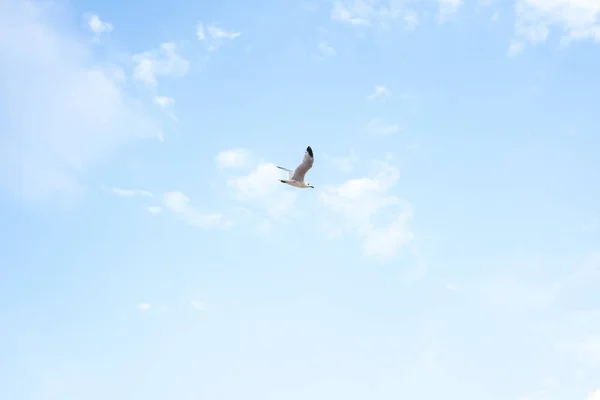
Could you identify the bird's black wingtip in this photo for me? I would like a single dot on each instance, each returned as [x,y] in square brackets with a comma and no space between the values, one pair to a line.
[309,151]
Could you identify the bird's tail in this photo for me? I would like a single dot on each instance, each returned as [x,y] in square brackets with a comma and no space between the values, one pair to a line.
[288,171]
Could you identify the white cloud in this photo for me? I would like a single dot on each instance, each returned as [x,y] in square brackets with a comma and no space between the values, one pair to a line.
[97,25]
[180,204]
[592,226]
[129,192]
[594,395]
[380,92]
[200,32]
[417,270]
[344,164]
[378,126]
[364,202]
[167,104]
[165,61]
[511,292]
[354,15]
[363,13]
[326,50]
[576,19]
[512,289]
[495,17]
[164,101]
[588,350]
[198,305]
[447,8]
[587,273]
[515,48]
[60,112]
[548,386]
[234,158]
[310,6]
[154,210]
[214,36]
[220,33]
[265,226]
[411,19]
[262,187]
[144,306]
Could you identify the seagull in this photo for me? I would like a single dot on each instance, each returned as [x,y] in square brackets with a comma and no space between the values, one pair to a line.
[296,178]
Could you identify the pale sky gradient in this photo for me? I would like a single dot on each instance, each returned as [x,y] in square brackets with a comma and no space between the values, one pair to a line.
[450,249]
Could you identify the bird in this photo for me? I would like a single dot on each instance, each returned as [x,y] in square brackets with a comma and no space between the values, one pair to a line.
[296,178]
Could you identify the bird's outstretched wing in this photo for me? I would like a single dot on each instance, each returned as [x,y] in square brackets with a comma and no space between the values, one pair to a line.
[305,165]
[287,170]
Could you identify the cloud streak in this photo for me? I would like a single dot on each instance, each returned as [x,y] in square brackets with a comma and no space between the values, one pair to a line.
[179,204]
[262,188]
[214,36]
[61,112]
[576,20]
[164,62]
[362,202]
[98,26]
[233,158]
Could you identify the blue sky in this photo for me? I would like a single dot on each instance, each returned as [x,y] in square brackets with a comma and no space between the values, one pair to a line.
[449,250]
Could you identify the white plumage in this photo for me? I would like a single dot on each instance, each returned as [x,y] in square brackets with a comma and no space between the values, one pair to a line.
[296,178]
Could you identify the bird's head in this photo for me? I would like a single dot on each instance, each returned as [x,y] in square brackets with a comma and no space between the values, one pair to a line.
[309,185]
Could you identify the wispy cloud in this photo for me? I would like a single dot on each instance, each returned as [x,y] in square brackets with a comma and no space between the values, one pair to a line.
[515,48]
[97,26]
[221,33]
[262,188]
[233,158]
[167,104]
[363,201]
[144,306]
[495,17]
[179,204]
[378,126]
[512,289]
[154,210]
[374,13]
[326,50]
[65,113]
[343,163]
[577,20]
[547,388]
[380,93]
[164,62]
[352,15]
[164,101]
[588,349]
[128,192]
[197,305]
[200,34]
[506,291]
[411,20]
[592,225]
[448,8]
[213,36]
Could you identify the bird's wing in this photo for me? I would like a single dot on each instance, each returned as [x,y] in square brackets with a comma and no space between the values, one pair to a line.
[305,165]
[289,171]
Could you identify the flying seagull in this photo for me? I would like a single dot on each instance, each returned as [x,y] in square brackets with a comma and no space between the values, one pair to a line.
[296,178]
